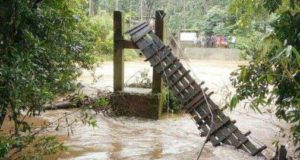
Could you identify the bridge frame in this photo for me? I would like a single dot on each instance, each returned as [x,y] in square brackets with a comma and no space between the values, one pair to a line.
[120,44]
[147,105]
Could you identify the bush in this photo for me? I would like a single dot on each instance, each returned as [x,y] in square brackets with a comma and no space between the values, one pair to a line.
[100,31]
[31,147]
[273,76]
[171,103]
[43,46]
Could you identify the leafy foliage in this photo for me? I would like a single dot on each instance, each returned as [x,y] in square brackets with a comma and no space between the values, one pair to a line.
[102,102]
[38,147]
[273,76]
[251,22]
[43,46]
[214,21]
[41,52]
[99,30]
[181,14]
[170,103]
[5,145]
[249,43]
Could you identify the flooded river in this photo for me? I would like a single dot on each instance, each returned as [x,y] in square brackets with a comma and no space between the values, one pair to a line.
[171,138]
[127,138]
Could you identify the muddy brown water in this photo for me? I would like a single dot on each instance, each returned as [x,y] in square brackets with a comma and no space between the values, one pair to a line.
[171,138]
[178,138]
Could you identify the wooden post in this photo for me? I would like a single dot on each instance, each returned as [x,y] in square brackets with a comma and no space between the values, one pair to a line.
[118,56]
[159,31]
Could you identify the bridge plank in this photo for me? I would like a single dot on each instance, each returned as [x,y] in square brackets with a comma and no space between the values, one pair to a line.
[237,134]
[176,74]
[185,88]
[137,28]
[205,129]
[174,70]
[139,35]
[179,78]
[231,138]
[237,137]
[199,98]
[184,81]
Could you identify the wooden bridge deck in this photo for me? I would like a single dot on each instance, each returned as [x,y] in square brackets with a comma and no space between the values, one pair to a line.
[210,119]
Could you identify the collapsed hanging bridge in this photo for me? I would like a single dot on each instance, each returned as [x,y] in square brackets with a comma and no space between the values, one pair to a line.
[211,121]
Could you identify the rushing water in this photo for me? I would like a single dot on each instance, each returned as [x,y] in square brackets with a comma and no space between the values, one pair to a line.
[134,138]
[172,138]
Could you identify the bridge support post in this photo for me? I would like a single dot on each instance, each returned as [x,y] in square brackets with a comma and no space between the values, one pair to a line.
[118,56]
[125,102]
[159,31]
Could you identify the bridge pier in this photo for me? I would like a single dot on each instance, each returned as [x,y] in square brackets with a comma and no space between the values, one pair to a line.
[134,103]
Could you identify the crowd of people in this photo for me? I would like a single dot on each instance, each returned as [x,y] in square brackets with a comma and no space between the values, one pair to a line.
[214,41]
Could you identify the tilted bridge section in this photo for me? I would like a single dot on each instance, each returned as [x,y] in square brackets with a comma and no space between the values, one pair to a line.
[211,121]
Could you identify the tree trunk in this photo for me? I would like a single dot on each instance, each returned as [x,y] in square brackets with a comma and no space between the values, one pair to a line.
[60,105]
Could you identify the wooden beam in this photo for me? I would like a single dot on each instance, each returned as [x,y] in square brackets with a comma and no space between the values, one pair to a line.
[128,44]
[159,31]
[118,56]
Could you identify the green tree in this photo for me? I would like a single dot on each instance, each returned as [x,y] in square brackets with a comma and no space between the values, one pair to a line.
[43,46]
[215,21]
[273,76]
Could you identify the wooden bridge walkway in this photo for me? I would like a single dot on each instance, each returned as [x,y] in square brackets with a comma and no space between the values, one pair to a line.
[211,120]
